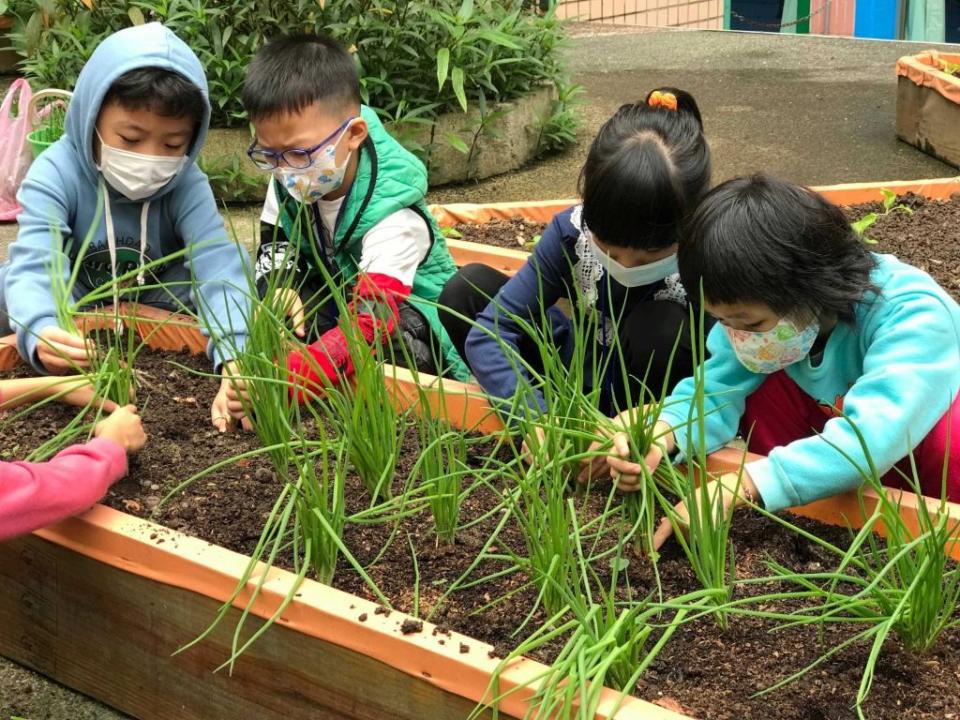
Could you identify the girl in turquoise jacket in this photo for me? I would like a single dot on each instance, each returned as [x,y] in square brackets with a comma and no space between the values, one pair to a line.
[816,336]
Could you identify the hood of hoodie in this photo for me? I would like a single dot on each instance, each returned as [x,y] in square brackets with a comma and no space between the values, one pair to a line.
[141,46]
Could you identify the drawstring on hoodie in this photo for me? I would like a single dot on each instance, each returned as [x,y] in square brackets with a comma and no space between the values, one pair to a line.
[112,241]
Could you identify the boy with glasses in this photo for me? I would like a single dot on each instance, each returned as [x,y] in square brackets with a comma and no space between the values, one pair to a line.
[346,195]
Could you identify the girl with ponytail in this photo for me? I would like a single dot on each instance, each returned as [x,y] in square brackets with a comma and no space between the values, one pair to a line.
[614,254]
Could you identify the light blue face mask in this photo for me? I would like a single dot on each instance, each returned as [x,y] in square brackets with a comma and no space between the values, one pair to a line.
[641,274]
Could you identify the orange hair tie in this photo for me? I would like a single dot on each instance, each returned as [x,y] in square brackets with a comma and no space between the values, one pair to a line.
[665,100]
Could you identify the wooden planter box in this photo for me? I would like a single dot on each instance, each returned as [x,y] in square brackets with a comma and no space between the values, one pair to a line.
[101,602]
[928,104]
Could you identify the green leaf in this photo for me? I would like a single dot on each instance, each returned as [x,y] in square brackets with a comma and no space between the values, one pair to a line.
[465,12]
[451,233]
[619,564]
[457,143]
[136,16]
[498,38]
[443,66]
[456,79]
[861,225]
[889,198]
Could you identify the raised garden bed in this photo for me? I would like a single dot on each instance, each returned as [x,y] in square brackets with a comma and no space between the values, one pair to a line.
[227,509]
[70,592]
[928,103]
[928,237]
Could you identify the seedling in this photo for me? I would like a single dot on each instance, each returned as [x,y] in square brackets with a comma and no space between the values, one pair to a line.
[890,205]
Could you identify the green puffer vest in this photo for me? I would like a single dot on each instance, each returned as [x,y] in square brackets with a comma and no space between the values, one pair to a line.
[388,179]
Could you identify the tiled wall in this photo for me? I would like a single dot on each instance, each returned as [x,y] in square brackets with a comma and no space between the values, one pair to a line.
[704,14]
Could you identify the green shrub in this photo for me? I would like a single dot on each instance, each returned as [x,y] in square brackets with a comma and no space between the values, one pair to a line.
[417,58]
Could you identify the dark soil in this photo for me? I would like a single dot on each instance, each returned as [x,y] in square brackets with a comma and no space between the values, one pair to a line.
[516,233]
[928,239]
[708,672]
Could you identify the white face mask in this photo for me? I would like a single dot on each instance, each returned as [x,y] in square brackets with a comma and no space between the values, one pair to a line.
[134,175]
[641,274]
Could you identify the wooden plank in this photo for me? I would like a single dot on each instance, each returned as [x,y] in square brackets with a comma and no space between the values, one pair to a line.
[111,634]
[928,121]
[503,259]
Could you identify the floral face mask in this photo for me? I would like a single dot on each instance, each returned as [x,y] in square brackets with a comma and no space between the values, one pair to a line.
[772,350]
[324,176]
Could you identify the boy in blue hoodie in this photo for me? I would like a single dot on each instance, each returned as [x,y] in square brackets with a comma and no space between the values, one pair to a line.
[125,171]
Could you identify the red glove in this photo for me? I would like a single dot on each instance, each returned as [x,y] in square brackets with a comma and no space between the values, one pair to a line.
[374,311]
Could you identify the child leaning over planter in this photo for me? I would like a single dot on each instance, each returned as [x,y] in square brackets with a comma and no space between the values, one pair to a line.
[344,193]
[811,322]
[645,171]
[33,495]
[125,172]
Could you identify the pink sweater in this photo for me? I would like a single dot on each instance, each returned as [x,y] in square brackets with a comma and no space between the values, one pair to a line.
[33,495]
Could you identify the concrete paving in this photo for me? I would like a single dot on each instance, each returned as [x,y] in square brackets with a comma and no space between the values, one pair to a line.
[814,110]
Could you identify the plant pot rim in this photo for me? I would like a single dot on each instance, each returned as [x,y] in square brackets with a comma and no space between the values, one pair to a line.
[926,69]
[542,211]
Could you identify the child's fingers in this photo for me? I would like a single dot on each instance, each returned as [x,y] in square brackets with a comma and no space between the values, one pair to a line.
[654,456]
[63,351]
[296,315]
[626,483]
[662,533]
[621,445]
[624,467]
[108,405]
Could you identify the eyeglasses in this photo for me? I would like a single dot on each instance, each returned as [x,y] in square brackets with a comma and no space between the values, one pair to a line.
[299,158]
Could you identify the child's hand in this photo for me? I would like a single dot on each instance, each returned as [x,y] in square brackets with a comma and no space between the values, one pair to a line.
[596,465]
[626,474]
[227,408]
[289,300]
[734,492]
[60,351]
[79,392]
[530,448]
[124,428]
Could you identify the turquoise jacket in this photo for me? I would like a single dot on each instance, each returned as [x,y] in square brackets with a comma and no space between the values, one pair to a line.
[896,368]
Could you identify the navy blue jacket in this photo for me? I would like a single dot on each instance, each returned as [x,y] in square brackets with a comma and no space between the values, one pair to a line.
[553,271]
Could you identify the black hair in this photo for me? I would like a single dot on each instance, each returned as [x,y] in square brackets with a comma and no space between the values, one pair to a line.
[645,172]
[760,239]
[158,90]
[292,72]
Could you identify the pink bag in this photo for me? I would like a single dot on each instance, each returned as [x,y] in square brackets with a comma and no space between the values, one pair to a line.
[15,154]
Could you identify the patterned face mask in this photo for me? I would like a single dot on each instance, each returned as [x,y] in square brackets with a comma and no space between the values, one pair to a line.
[324,176]
[772,350]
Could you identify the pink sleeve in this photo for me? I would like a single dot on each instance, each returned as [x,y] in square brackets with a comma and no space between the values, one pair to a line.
[33,495]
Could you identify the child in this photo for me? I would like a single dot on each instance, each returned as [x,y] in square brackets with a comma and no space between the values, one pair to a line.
[645,171]
[33,495]
[362,199]
[134,129]
[811,322]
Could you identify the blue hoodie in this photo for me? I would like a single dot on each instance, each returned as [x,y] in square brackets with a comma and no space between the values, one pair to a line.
[61,190]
